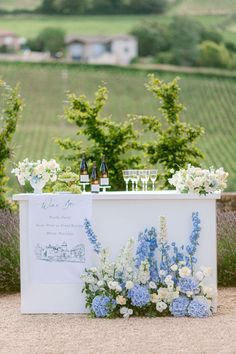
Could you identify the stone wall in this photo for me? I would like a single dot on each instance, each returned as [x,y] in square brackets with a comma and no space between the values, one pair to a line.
[227,202]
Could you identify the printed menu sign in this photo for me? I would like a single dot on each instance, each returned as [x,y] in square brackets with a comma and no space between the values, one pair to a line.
[59,248]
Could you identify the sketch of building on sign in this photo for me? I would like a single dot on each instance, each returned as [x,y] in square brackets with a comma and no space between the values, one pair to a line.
[60,253]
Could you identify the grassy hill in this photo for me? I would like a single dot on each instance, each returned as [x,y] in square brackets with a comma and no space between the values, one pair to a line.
[16,4]
[203,7]
[210,101]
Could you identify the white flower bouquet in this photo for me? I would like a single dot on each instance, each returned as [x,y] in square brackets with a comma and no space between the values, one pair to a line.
[199,181]
[38,173]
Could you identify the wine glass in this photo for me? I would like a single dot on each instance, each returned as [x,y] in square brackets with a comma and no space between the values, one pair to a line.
[142,174]
[153,177]
[126,176]
[136,179]
[132,176]
[146,179]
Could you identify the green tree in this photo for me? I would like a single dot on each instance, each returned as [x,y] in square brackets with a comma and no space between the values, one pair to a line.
[185,35]
[11,105]
[100,136]
[173,144]
[153,38]
[49,39]
[215,55]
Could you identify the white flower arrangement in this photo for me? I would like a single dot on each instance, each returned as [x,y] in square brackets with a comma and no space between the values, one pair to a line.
[36,171]
[199,181]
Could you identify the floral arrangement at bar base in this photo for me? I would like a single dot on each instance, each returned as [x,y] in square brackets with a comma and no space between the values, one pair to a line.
[156,279]
[199,181]
[38,173]
[67,182]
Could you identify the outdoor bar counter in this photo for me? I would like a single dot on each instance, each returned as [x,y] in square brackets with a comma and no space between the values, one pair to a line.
[115,217]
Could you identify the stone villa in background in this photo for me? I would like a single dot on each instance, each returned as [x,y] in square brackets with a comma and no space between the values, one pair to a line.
[120,49]
[11,40]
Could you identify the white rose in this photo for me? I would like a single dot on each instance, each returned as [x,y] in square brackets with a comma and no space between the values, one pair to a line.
[199,275]
[120,300]
[184,272]
[152,285]
[170,286]
[174,267]
[161,306]
[129,285]
[207,271]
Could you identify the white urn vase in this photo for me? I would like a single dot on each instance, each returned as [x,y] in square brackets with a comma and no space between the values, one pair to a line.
[37,185]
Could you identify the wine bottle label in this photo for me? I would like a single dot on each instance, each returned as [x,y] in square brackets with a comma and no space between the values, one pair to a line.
[95,188]
[104,181]
[84,178]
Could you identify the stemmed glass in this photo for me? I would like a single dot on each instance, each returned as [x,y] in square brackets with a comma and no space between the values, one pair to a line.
[126,176]
[143,177]
[153,177]
[134,176]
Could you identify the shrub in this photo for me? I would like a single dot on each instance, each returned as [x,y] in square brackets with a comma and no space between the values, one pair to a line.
[214,55]
[10,107]
[9,252]
[226,236]
[174,142]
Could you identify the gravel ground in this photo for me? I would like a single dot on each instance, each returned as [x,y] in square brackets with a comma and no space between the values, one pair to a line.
[78,334]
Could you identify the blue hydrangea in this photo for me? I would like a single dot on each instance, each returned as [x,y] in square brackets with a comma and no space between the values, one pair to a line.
[139,295]
[199,307]
[188,284]
[100,305]
[179,306]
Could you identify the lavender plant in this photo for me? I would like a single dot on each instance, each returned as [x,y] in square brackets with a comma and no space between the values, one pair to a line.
[226,237]
[9,252]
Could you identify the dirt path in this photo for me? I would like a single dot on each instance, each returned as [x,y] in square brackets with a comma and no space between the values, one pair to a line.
[78,334]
